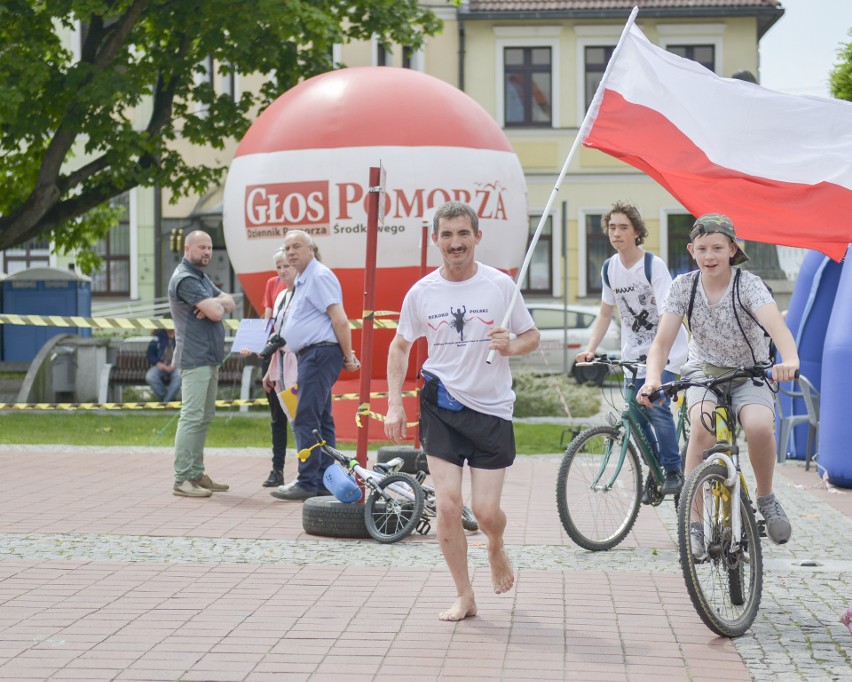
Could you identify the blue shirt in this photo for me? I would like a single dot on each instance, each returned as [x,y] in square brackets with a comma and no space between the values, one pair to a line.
[307,320]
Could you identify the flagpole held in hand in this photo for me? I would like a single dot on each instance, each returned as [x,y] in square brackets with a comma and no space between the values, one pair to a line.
[588,119]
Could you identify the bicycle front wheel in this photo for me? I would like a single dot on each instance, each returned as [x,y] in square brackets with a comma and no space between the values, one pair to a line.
[724,578]
[597,496]
[393,509]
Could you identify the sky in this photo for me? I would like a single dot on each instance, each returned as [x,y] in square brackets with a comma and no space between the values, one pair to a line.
[799,51]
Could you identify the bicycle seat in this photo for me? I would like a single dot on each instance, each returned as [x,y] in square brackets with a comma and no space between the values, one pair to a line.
[390,467]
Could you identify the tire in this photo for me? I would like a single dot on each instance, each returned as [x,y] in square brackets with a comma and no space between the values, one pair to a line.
[725,587]
[469,521]
[407,453]
[391,515]
[329,517]
[598,518]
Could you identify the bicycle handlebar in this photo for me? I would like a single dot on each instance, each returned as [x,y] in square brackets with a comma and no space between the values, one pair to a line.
[758,373]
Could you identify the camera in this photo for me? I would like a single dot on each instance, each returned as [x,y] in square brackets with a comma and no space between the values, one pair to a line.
[272,344]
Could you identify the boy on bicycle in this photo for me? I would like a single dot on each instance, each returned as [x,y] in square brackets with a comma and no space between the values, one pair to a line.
[729,312]
[637,283]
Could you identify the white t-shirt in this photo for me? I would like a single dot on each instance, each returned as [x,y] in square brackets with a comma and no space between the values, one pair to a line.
[455,318]
[716,336]
[639,306]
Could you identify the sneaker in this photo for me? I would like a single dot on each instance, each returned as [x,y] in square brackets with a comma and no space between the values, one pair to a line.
[673,482]
[778,527]
[205,482]
[276,478]
[190,489]
[288,486]
[294,492]
[696,541]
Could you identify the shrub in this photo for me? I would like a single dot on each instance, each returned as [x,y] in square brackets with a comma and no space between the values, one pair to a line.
[541,396]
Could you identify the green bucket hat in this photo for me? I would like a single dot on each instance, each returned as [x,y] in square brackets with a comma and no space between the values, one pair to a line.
[716,222]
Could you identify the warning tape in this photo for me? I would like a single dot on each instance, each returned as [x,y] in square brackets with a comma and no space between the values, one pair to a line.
[364,409]
[131,323]
[34,407]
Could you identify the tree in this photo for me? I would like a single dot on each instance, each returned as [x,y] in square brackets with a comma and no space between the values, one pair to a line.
[841,75]
[68,143]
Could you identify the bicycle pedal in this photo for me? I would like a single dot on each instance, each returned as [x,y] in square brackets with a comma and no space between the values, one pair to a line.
[424,527]
[761,528]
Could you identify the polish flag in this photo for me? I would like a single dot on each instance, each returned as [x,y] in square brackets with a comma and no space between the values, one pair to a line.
[779,166]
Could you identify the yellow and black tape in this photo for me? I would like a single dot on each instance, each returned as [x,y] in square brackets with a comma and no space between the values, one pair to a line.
[364,409]
[35,407]
[133,323]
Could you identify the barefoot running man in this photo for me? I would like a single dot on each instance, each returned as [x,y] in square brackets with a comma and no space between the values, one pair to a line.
[465,404]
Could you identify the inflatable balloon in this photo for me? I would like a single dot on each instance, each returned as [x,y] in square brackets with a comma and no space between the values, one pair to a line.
[808,317]
[835,429]
[304,164]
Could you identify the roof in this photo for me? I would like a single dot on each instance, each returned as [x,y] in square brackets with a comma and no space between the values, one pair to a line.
[555,5]
[767,12]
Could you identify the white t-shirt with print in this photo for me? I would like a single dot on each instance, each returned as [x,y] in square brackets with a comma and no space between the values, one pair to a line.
[638,304]
[455,318]
[716,336]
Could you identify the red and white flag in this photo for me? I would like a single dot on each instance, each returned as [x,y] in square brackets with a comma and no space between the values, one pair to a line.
[780,166]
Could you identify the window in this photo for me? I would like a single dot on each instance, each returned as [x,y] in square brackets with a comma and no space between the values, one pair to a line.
[595,60]
[598,249]
[539,277]
[527,77]
[679,225]
[703,54]
[113,279]
[32,254]
[383,55]
[204,76]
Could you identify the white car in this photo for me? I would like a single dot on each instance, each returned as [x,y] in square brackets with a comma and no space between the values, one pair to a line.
[566,327]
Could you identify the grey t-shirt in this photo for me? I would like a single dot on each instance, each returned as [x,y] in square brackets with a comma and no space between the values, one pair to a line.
[716,336]
[198,342]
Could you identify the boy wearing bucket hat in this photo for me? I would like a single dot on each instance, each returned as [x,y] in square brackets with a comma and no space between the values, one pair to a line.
[729,312]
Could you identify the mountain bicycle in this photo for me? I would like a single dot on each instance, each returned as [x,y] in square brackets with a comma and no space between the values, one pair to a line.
[718,534]
[397,503]
[600,481]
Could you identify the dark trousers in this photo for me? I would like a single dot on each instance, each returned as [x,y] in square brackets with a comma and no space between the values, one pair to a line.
[318,370]
[279,425]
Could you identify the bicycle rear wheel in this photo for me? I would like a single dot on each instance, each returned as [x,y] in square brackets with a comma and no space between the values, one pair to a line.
[393,510]
[598,501]
[724,579]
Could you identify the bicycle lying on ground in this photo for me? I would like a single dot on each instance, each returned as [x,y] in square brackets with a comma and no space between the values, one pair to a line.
[718,535]
[397,503]
[600,482]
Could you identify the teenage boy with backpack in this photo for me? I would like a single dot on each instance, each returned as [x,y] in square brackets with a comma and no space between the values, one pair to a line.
[636,281]
[730,313]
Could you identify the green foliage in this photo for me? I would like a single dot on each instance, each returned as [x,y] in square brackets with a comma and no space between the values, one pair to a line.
[541,396]
[841,76]
[79,129]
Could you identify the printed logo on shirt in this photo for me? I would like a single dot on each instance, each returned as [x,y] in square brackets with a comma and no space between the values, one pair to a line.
[459,318]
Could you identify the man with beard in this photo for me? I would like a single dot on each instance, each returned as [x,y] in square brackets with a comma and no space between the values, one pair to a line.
[198,307]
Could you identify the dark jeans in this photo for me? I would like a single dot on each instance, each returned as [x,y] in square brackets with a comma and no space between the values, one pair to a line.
[318,370]
[279,425]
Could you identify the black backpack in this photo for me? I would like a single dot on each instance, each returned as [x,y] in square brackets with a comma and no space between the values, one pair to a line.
[649,261]
[735,296]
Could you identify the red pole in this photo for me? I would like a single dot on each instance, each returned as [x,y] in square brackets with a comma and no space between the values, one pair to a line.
[421,343]
[367,315]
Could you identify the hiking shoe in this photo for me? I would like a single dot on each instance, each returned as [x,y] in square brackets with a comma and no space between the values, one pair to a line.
[207,483]
[275,479]
[190,489]
[696,541]
[778,527]
[673,482]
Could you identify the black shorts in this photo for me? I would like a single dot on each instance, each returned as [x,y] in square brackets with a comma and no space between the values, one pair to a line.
[485,441]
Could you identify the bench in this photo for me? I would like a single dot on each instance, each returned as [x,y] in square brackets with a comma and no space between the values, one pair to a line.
[130,365]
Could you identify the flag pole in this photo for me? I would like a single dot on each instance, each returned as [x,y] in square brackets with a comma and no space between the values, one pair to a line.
[582,133]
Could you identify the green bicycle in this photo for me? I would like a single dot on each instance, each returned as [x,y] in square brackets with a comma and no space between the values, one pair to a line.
[600,482]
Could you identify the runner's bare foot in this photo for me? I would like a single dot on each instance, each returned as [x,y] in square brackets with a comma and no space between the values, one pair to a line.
[465,607]
[502,575]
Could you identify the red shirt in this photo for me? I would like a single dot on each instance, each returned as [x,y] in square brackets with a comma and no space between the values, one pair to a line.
[274,286]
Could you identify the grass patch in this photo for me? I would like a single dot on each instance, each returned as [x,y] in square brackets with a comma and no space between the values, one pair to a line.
[226,431]
[542,396]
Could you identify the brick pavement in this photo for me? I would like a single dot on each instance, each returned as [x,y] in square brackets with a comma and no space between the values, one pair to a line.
[104,575]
